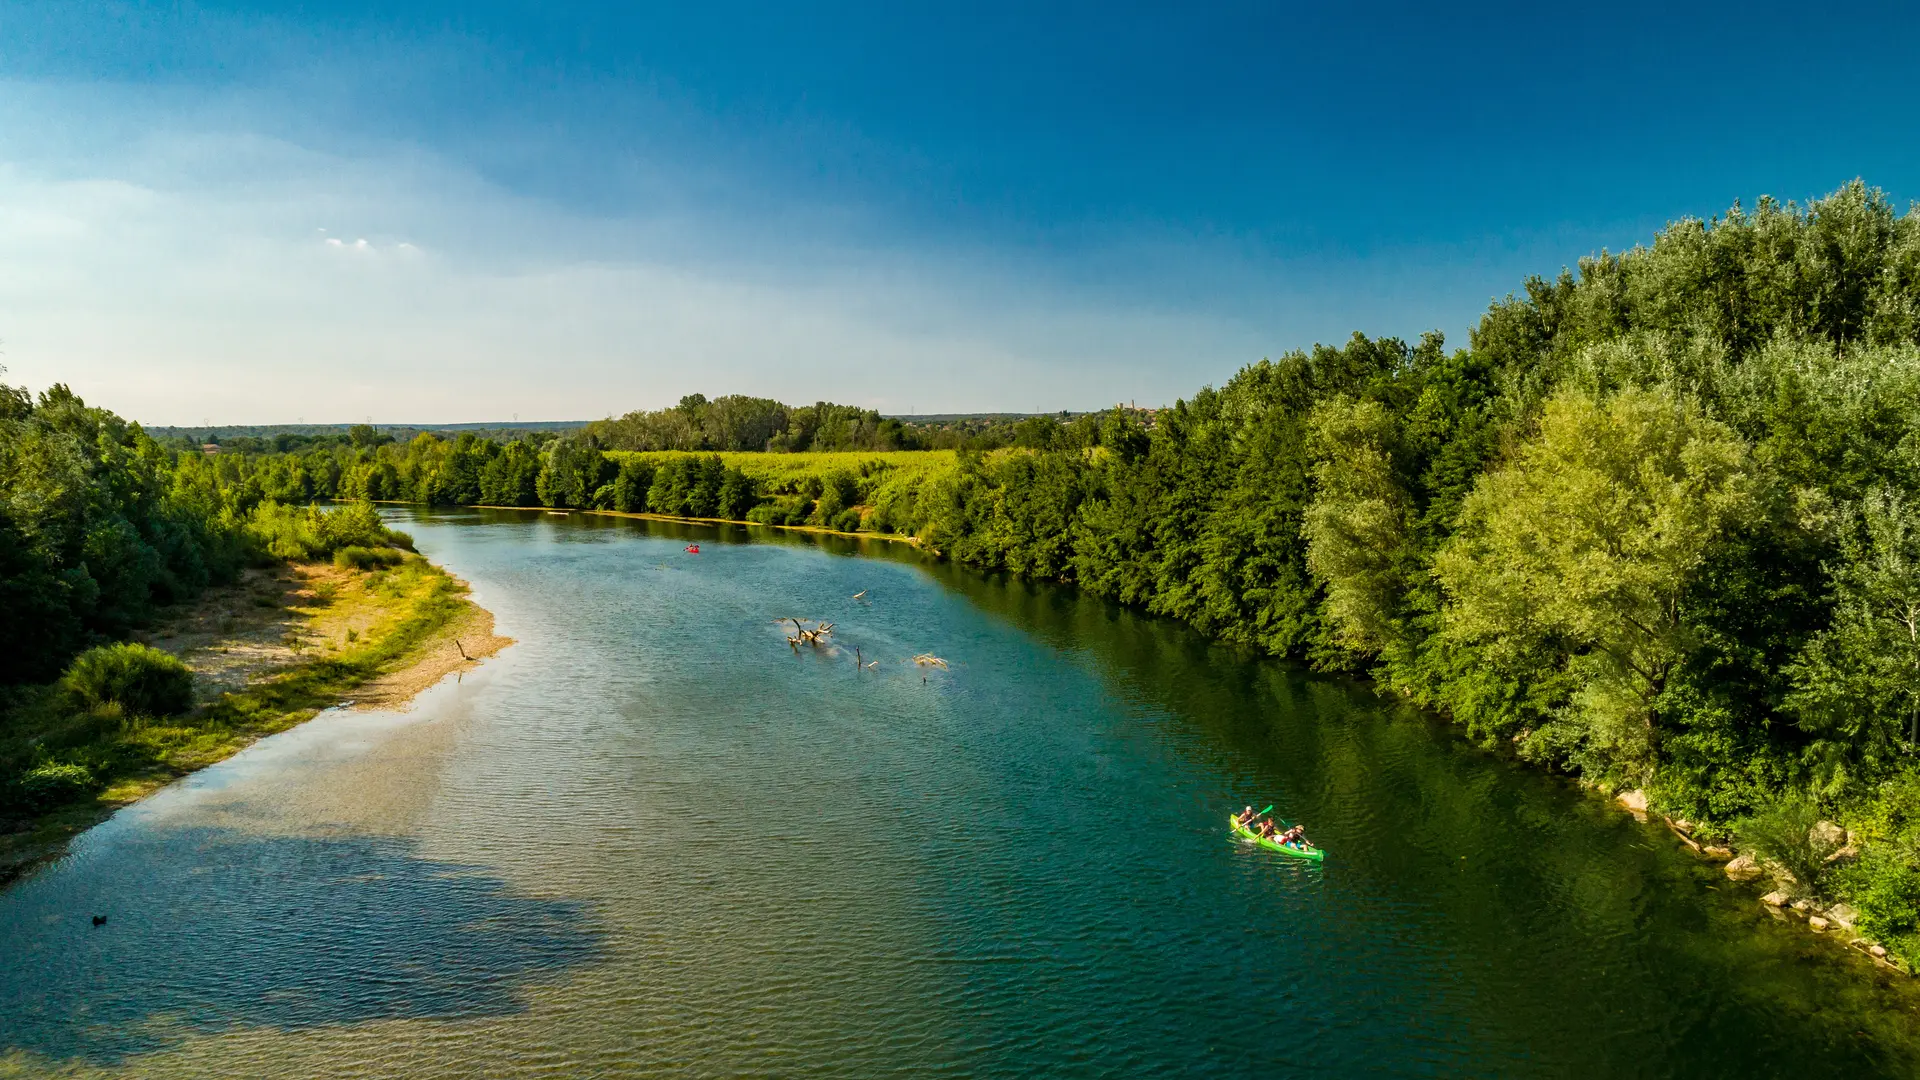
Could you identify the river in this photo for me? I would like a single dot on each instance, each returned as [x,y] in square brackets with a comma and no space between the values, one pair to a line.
[653,839]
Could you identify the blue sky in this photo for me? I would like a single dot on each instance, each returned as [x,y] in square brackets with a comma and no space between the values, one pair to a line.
[267,213]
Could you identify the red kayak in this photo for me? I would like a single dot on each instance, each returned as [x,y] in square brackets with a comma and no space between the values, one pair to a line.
[693,549]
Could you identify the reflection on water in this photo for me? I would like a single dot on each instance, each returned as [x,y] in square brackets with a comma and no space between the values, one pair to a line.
[213,930]
[652,838]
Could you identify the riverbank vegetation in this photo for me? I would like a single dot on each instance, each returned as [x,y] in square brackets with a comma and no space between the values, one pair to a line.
[107,538]
[1657,525]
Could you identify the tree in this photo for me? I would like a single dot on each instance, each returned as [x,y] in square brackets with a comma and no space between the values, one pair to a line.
[630,486]
[510,477]
[1857,683]
[572,473]
[1585,540]
[1356,525]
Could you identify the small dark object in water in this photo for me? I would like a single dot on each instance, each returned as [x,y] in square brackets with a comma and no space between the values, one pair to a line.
[99,920]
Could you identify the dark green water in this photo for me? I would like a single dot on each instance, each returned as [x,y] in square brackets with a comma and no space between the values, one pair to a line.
[650,839]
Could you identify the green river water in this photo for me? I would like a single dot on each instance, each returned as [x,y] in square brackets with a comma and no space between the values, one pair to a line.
[651,839]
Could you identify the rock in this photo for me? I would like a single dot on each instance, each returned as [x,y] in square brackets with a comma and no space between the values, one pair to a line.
[1843,915]
[1744,869]
[1803,906]
[1776,898]
[1845,854]
[1817,923]
[1682,824]
[1635,800]
[1715,851]
[1827,834]
[1879,951]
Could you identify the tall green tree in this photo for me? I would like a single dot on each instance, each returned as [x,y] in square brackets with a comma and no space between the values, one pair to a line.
[1356,527]
[1856,686]
[1585,541]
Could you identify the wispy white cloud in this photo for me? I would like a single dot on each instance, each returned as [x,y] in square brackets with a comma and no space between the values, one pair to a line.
[198,274]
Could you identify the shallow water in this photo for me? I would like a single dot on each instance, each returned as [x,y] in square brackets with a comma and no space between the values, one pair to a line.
[652,839]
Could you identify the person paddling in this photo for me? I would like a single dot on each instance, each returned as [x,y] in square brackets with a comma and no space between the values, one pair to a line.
[1244,816]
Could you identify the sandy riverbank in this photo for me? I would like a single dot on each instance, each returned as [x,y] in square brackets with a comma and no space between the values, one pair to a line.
[272,651]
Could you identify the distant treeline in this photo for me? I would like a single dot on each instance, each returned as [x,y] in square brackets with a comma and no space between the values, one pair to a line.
[281,438]
[731,423]
[1657,525]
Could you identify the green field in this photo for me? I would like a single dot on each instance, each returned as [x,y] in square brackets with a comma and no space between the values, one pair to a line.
[778,470]
[848,491]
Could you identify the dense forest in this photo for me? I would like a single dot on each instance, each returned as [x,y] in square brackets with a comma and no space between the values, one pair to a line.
[1657,525]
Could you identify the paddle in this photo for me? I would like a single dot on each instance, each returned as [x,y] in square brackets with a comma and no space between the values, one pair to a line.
[1255,817]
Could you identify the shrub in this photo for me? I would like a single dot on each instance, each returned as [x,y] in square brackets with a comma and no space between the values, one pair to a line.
[140,679]
[848,521]
[284,531]
[291,532]
[838,493]
[366,558]
[1885,888]
[44,787]
[354,525]
[1783,834]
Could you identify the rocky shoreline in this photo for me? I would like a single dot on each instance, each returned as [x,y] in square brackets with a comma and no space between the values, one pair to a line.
[1837,922]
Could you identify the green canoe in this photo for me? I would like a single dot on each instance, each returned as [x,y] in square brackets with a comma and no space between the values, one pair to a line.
[1245,833]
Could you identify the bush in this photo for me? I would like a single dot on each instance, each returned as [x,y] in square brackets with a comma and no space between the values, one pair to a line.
[1885,888]
[44,787]
[848,521]
[839,491]
[140,679]
[366,558]
[354,525]
[291,532]
[1783,834]
[286,532]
